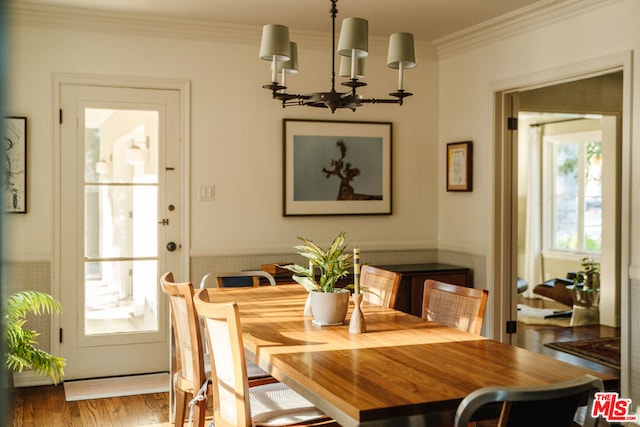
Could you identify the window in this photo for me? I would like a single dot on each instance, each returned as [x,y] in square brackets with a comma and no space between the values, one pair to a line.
[573,188]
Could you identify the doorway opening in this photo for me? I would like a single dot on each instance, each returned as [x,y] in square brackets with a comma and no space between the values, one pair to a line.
[558,93]
[567,185]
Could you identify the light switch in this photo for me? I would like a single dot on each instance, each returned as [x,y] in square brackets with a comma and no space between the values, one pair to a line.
[207,193]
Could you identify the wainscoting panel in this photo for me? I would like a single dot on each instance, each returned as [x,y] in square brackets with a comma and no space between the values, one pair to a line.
[201,265]
[477,264]
[32,276]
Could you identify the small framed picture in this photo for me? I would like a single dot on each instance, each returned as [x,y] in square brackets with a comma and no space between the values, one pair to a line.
[15,141]
[460,166]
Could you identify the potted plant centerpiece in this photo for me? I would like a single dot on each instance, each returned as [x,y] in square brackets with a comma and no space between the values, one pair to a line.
[329,303]
[20,343]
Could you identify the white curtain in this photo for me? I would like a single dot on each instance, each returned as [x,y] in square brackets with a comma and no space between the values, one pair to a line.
[532,257]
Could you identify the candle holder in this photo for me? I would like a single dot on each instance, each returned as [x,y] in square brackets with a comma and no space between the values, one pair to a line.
[357,324]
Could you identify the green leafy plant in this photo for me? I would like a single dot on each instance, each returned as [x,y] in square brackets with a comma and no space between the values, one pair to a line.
[589,265]
[590,273]
[21,346]
[333,264]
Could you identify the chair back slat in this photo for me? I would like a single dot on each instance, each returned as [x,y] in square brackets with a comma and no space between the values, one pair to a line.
[187,333]
[455,306]
[231,405]
[183,342]
[381,286]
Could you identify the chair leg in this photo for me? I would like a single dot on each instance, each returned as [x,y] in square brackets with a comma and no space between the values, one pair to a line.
[172,398]
[199,413]
[181,407]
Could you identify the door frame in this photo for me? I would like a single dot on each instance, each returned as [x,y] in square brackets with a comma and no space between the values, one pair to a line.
[184,89]
[501,265]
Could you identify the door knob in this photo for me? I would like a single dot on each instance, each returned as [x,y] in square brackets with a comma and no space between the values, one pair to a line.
[171,246]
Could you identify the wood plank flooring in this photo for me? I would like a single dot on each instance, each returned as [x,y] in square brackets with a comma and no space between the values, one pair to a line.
[46,405]
[533,338]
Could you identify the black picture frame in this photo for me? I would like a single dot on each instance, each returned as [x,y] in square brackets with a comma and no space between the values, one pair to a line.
[15,186]
[460,166]
[336,167]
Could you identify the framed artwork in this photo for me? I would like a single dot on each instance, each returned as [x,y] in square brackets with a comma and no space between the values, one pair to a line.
[336,167]
[15,186]
[460,166]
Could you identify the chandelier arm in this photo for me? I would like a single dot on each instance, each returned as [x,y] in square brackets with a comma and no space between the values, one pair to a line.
[380,101]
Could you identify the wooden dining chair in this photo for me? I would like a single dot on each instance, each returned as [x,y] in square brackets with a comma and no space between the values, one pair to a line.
[381,286]
[193,374]
[235,404]
[552,405]
[456,306]
[243,278]
[257,375]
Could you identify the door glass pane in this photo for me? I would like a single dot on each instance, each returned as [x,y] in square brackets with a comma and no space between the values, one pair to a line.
[113,304]
[593,196]
[120,221]
[566,191]
[121,146]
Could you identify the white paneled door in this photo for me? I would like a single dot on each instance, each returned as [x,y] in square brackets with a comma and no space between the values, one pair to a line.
[119,227]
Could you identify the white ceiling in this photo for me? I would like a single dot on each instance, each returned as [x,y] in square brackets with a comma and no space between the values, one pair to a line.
[426,19]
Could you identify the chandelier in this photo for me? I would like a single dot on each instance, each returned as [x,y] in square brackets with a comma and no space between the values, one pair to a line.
[353,48]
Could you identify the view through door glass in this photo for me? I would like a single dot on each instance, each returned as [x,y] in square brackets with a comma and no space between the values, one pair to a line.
[120,207]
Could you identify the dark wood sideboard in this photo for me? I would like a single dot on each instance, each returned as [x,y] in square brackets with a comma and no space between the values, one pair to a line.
[411,289]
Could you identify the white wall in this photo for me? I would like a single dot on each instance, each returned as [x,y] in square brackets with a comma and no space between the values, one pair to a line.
[235,127]
[468,78]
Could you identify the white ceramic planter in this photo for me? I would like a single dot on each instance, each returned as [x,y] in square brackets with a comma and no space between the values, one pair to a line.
[329,308]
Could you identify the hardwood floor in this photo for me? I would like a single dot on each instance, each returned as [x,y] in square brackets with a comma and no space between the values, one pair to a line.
[46,405]
[533,338]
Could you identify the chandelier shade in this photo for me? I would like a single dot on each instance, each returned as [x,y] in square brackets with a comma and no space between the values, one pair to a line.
[354,37]
[353,47]
[275,43]
[402,52]
[290,66]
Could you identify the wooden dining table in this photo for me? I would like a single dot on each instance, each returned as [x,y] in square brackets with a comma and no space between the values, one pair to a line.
[402,371]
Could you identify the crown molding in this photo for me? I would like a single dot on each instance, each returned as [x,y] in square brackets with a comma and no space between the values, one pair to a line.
[511,24]
[135,24]
[65,18]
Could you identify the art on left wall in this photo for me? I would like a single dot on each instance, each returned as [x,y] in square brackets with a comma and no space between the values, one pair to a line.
[15,167]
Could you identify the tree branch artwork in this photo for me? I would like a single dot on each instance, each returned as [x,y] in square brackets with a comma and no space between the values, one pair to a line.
[15,164]
[346,173]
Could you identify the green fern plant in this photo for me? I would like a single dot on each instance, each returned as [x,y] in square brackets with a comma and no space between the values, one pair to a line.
[21,345]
